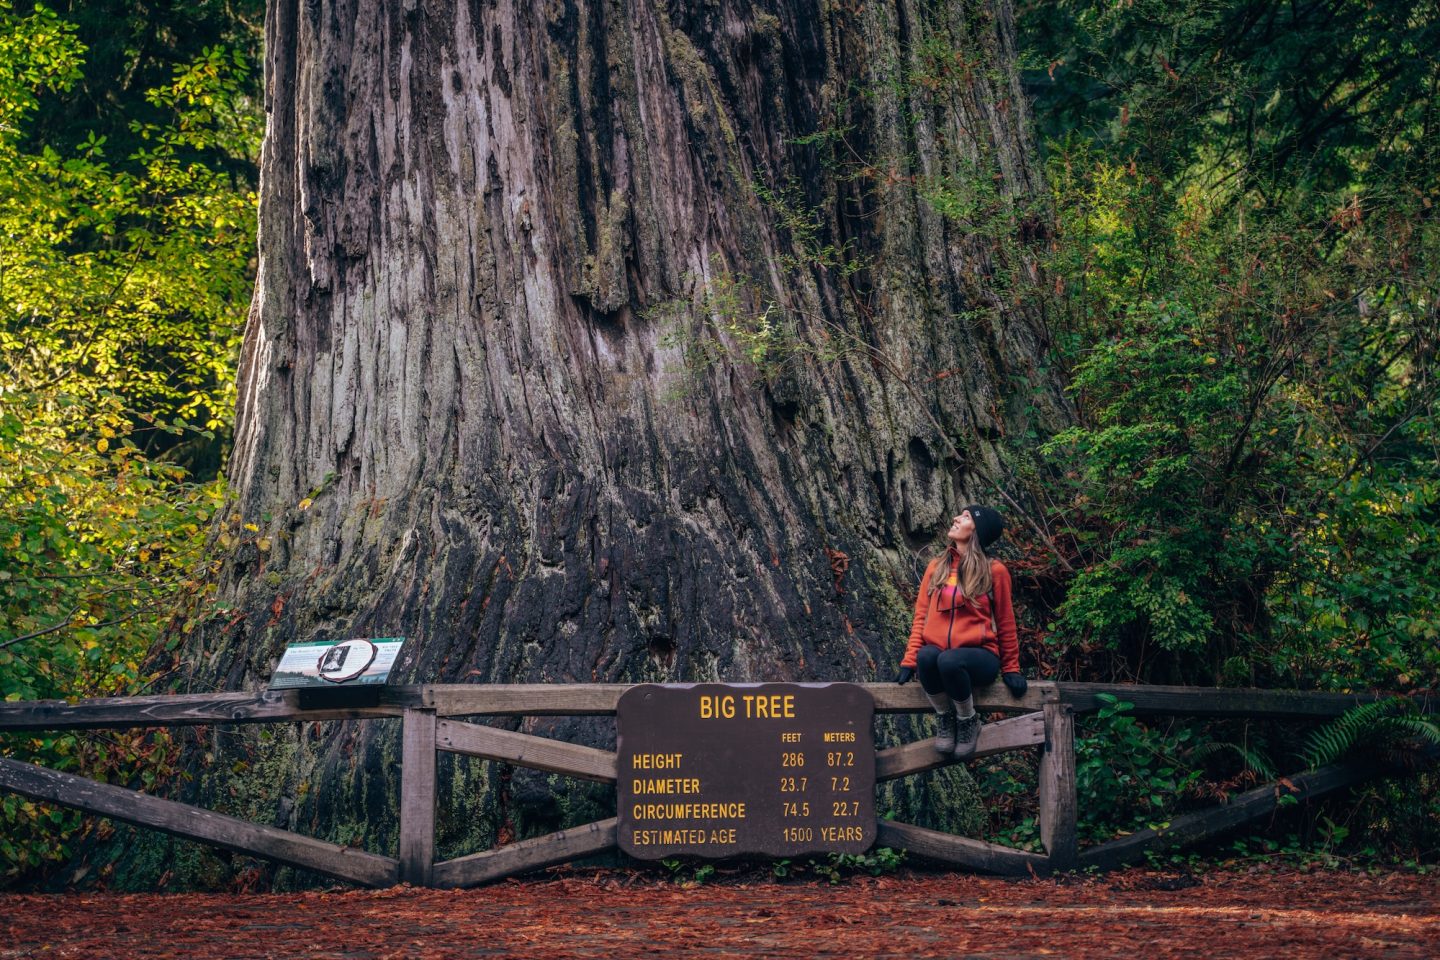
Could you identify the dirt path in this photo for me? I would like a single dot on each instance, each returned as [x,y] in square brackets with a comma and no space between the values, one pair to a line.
[602,915]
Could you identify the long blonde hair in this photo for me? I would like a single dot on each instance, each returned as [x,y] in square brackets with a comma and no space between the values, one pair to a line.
[974,571]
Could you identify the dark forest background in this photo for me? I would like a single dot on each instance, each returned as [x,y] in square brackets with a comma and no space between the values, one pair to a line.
[1241,264]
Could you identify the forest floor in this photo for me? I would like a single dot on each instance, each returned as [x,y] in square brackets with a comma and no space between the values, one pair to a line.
[1262,912]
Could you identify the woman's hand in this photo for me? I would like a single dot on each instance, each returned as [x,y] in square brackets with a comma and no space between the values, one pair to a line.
[1015,683]
[905,675]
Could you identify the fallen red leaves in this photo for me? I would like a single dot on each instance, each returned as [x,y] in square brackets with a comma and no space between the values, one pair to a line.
[575,914]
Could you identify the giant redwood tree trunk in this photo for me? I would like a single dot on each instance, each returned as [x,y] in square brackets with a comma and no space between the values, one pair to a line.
[503,390]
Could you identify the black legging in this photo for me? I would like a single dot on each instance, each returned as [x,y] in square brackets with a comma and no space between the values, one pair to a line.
[956,671]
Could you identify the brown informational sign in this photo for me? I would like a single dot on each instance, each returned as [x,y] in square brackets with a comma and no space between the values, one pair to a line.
[721,770]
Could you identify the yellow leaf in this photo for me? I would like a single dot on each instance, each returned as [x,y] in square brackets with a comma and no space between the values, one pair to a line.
[305,504]
[252,528]
[263,543]
[102,445]
[144,556]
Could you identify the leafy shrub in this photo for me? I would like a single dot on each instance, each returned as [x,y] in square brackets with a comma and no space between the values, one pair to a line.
[1256,446]
[123,284]
[1128,776]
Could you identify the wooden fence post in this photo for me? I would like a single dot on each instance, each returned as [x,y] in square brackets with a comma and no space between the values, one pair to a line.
[1057,787]
[417,797]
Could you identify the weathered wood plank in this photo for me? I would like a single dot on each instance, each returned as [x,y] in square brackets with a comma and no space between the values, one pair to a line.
[1251,805]
[544,699]
[206,826]
[1026,730]
[188,710]
[1057,787]
[417,797]
[525,750]
[583,841]
[524,699]
[961,851]
[893,698]
[1222,702]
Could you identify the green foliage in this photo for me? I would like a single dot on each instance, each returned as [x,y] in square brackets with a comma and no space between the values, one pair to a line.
[1228,427]
[1283,99]
[837,866]
[1147,461]
[688,872]
[1381,727]
[1128,776]
[803,227]
[1253,760]
[1246,256]
[875,862]
[123,283]
[1397,817]
[729,320]
[127,278]
[131,49]
[96,544]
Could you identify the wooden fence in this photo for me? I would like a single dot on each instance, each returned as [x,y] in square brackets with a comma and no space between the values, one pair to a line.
[1044,718]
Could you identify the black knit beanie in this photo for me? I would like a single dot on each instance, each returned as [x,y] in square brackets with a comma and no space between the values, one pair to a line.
[988,524]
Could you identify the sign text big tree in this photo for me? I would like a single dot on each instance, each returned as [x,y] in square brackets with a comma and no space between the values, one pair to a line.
[589,336]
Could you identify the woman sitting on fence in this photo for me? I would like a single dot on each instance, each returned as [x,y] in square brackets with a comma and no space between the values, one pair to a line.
[964,629]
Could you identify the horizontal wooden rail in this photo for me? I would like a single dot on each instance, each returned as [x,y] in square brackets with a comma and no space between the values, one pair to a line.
[189,710]
[528,699]
[1222,701]
[961,851]
[553,848]
[910,698]
[548,699]
[522,749]
[524,699]
[1253,804]
[345,863]
[1026,730]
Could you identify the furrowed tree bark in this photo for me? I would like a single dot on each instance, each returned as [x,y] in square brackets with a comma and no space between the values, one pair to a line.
[502,390]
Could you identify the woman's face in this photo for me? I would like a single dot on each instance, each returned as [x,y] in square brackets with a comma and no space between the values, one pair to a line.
[962,528]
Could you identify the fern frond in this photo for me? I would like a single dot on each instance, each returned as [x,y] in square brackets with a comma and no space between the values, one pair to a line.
[1257,761]
[1409,743]
[1420,728]
[1345,732]
[1252,759]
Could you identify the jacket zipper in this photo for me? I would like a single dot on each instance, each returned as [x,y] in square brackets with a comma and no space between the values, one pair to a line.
[950,629]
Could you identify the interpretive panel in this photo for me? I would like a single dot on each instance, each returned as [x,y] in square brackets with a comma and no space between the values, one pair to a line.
[327,663]
[722,770]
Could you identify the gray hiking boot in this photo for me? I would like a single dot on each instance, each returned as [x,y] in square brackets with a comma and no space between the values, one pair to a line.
[945,741]
[967,735]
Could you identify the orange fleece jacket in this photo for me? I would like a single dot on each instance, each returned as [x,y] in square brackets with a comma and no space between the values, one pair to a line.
[969,624]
